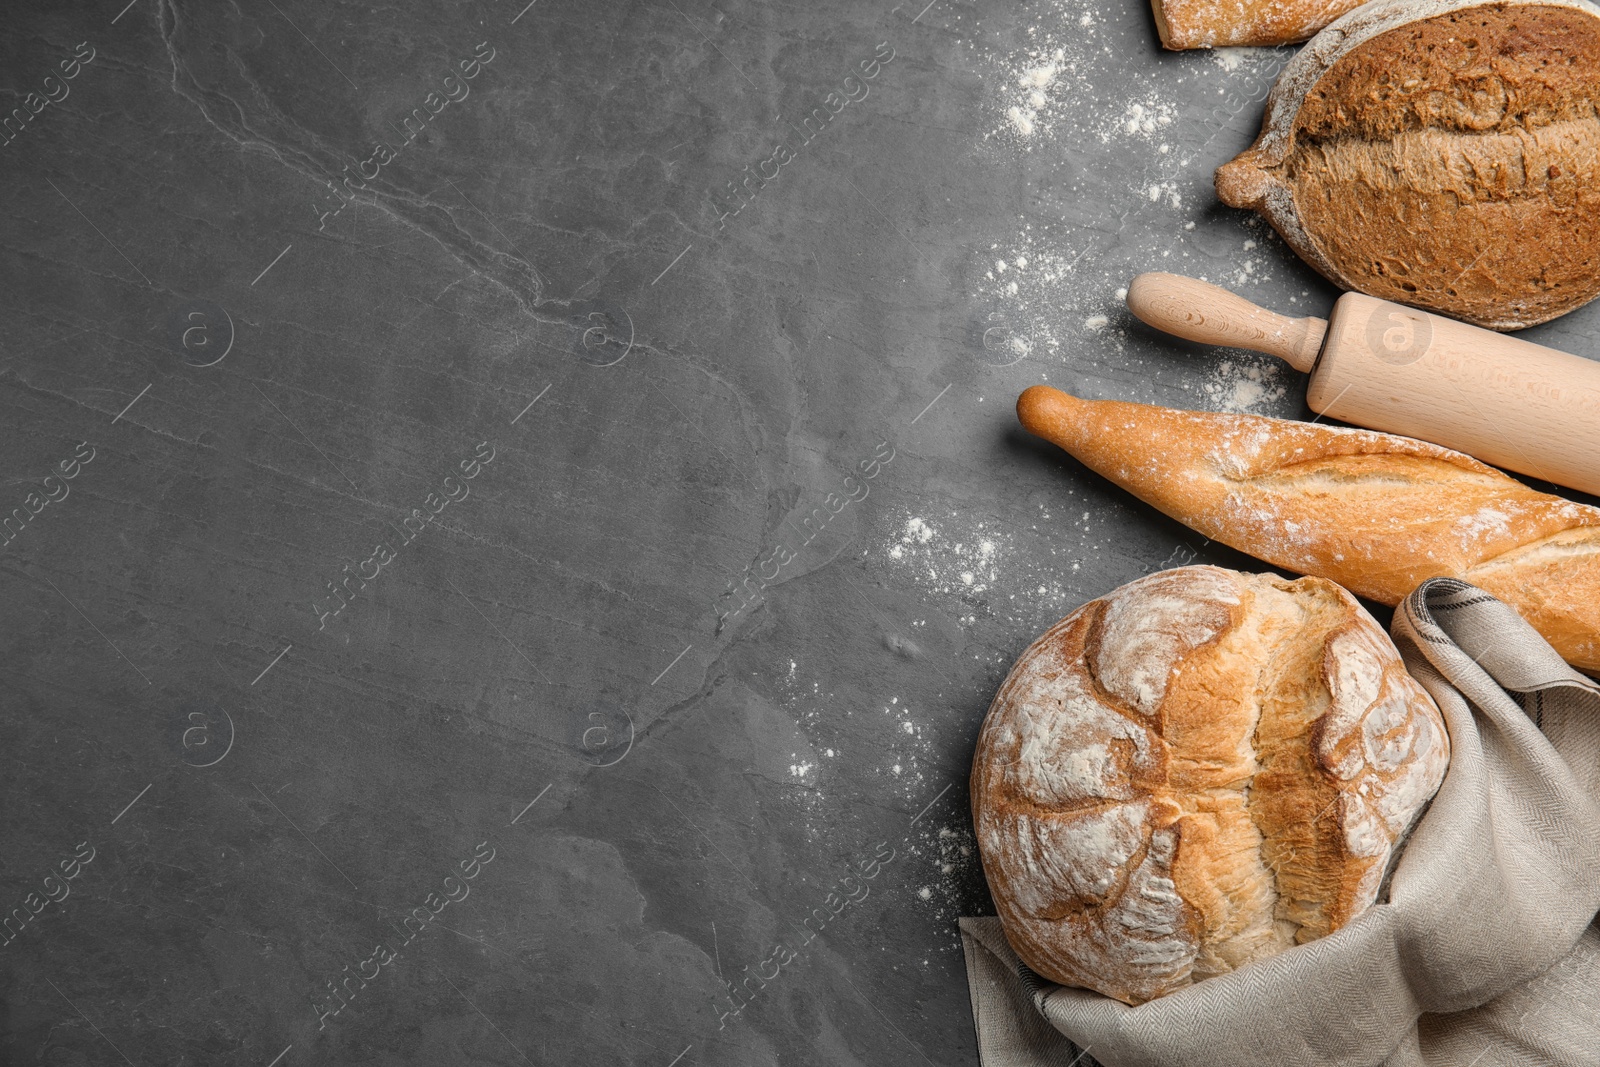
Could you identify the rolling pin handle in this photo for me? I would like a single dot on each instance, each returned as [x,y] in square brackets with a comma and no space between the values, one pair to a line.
[1199,311]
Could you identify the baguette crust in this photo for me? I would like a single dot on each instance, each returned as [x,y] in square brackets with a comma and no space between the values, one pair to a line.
[1375,512]
[1217,24]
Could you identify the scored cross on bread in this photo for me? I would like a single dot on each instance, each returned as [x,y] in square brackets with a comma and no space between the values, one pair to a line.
[1197,771]
[1375,512]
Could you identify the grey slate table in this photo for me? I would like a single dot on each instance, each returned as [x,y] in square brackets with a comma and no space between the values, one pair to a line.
[514,513]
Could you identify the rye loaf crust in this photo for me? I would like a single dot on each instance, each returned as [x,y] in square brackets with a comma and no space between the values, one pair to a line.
[1444,155]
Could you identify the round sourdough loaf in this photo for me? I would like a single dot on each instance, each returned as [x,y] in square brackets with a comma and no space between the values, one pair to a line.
[1440,153]
[1201,769]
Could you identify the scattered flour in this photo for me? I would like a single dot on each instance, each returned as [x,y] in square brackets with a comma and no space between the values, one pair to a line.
[1028,99]
[1240,386]
[1032,97]
[989,569]
[1041,283]
[948,857]
[1123,171]
[1233,60]
[1044,86]
[1148,117]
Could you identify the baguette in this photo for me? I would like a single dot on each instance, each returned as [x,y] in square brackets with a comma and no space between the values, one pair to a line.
[1375,512]
[1214,24]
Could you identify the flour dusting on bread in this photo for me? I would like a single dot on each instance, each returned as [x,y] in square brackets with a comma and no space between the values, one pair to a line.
[1195,772]
[1375,512]
[1155,621]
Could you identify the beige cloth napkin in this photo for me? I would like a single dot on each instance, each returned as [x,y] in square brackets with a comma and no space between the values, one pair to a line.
[1485,954]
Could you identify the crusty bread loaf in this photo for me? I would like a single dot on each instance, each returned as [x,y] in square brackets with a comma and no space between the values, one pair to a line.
[1199,770]
[1375,512]
[1218,24]
[1440,153]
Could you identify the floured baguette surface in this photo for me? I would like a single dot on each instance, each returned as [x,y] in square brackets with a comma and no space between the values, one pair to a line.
[1220,23]
[1440,154]
[1375,512]
[1199,770]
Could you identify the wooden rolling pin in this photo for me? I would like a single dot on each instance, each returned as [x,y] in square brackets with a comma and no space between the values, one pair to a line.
[1388,367]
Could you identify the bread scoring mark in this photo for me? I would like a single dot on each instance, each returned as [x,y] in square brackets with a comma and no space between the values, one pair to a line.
[1466,168]
[1151,624]
[1353,671]
[1558,549]
[1376,471]
[1059,732]
[1371,458]
[1554,583]
[1282,616]
[1073,864]
[1365,834]
[1384,739]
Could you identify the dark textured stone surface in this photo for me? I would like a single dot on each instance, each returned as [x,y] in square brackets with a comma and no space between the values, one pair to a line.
[269,391]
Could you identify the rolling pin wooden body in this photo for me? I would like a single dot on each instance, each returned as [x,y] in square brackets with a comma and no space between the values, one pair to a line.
[1387,367]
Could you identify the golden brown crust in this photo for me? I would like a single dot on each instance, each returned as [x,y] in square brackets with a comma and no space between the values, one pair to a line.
[1375,512]
[1218,24]
[1181,778]
[1450,163]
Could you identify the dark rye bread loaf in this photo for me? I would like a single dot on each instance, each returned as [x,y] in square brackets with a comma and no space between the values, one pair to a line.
[1444,155]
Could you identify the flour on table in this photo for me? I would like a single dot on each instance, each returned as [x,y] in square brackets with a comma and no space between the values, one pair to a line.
[1235,385]
[1041,87]
[1020,571]
[905,750]
[947,858]
[1146,118]
[1039,82]
[1030,95]
[1028,100]
[1232,60]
